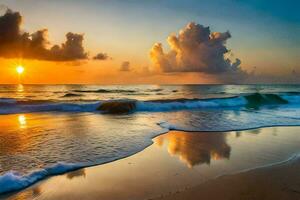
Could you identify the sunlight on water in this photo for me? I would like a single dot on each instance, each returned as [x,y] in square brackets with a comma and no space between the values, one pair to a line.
[62,127]
[22,121]
[176,160]
[20,88]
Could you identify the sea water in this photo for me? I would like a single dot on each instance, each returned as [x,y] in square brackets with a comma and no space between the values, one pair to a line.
[51,129]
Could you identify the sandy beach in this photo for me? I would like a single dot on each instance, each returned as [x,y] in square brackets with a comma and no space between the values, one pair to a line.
[276,182]
[184,165]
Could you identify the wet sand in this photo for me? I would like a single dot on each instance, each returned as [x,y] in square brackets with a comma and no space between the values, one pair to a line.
[270,183]
[181,165]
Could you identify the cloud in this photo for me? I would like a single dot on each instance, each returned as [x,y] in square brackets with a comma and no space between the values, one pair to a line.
[16,43]
[101,56]
[125,66]
[196,49]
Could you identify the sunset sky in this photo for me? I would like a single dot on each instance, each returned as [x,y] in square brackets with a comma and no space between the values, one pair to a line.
[155,41]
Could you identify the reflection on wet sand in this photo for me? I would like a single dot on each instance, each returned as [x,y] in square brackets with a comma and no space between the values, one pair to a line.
[28,194]
[156,171]
[195,148]
[77,173]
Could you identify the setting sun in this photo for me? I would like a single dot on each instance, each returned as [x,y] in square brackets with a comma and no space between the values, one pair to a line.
[20,69]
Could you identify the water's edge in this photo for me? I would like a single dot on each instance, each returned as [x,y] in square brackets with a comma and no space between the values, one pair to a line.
[16,183]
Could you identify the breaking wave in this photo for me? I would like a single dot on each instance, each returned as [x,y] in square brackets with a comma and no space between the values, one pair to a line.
[120,106]
[105,91]
[12,181]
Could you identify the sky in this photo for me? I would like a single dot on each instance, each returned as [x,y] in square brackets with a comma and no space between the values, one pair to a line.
[150,42]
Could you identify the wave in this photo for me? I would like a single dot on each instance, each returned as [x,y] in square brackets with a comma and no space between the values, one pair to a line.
[252,101]
[121,106]
[12,181]
[105,91]
[116,91]
[155,90]
[256,100]
[7,101]
[28,107]
[72,95]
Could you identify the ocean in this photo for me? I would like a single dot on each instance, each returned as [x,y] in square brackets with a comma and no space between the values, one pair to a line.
[51,129]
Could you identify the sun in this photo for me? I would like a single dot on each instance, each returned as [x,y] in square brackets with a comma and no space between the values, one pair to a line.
[20,69]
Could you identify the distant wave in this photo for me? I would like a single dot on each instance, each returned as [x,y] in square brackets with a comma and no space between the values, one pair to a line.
[121,106]
[7,101]
[115,91]
[105,91]
[155,90]
[72,95]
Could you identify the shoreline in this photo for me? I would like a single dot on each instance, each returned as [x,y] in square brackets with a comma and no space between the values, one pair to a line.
[269,182]
[79,166]
[210,138]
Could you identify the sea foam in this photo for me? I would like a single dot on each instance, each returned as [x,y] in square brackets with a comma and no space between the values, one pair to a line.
[12,181]
[120,106]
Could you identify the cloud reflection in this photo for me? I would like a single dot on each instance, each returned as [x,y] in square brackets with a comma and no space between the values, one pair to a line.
[195,148]
[77,173]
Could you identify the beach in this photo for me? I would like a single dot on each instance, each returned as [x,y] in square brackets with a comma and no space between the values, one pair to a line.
[274,182]
[140,141]
[251,164]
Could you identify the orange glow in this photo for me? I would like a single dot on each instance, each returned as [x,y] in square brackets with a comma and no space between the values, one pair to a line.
[89,72]
[20,69]
[22,121]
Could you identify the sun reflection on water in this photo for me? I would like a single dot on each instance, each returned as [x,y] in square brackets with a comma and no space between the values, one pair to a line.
[20,88]
[22,121]
[20,91]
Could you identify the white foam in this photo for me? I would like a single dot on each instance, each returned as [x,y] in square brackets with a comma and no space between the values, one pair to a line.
[12,181]
[144,106]
[190,104]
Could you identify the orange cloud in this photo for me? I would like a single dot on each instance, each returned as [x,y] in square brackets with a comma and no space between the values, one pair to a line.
[197,49]
[125,66]
[15,43]
[101,56]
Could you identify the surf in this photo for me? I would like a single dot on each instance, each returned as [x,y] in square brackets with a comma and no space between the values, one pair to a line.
[123,106]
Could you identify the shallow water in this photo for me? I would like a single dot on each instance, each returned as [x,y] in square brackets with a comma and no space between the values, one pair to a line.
[177,160]
[51,129]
